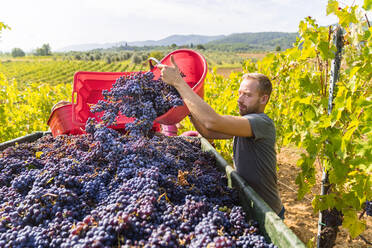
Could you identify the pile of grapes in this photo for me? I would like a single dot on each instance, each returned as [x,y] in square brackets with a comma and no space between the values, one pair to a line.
[106,189]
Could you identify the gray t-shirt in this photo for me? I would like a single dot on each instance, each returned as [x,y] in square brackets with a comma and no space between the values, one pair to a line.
[255,159]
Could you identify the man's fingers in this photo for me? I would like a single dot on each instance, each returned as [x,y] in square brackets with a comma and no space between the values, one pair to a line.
[161,66]
[174,62]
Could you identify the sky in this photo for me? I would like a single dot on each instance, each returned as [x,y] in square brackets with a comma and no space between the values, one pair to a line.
[71,22]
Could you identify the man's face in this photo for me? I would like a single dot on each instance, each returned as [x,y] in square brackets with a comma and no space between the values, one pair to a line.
[249,100]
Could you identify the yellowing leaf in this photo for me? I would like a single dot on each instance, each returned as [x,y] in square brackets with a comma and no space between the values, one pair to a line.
[353,224]
[332,6]
[367,5]
[38,154]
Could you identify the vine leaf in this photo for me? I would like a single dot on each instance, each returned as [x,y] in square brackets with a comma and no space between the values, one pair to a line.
[332,7]
[353,224]
[367,5]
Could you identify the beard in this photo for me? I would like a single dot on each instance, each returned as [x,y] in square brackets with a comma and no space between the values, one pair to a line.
[244,110]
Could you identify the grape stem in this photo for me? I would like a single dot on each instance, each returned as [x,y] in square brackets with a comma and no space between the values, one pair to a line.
[365,240]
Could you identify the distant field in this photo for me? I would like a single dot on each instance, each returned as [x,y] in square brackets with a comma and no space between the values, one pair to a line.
[59,71]
[226,70]
[54,69]
[252,55]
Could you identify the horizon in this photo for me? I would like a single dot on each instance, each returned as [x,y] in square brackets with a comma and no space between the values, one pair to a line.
[71,23]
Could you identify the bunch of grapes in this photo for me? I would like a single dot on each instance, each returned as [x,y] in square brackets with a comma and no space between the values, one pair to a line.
[140,96]
[332,217]
[368,208]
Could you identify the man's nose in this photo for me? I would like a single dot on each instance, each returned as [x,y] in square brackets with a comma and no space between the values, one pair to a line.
[240,99]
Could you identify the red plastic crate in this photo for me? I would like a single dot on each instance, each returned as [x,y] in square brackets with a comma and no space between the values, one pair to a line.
[88,86]
[87,91]
[60,121]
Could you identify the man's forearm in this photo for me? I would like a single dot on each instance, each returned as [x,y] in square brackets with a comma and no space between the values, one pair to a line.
[199,127]
[208,134]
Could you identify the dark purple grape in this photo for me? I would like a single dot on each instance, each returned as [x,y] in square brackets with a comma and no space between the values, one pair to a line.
[368,208]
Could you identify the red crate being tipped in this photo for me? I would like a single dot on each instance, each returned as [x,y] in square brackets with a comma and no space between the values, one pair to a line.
[88,86]
[194,66]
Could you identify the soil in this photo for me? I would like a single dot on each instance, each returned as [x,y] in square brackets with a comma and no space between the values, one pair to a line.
[299,216]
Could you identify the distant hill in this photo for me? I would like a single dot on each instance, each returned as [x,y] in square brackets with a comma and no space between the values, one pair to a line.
[254,41]
[179,40]
[238,41]
[88,47]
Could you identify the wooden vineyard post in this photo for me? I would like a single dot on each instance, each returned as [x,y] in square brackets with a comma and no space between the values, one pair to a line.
[325,232]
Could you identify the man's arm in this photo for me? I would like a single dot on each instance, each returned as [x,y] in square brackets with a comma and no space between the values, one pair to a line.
[200,110]
[207,133]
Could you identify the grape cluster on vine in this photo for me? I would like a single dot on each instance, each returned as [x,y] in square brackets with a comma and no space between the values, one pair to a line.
[368,208]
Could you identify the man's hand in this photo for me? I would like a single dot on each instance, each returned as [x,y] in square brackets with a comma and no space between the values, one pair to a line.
[171,74]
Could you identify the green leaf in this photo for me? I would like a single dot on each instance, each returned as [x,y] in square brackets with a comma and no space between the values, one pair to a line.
[353,224]
[307,52]
[367,5]
[309,114]
[323,202]
[339,113]
[306,100]
[345,18]
[325,51]
[350,200]
[304,187]
[332,6]
[306,178]
[350,129]
[324,121]
[349,104]
[339,172]
[353,71]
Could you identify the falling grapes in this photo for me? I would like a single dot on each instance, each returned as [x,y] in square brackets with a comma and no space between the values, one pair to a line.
[140,96]
[108,189]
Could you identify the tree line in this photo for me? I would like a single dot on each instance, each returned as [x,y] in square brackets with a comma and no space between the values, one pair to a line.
[44,50]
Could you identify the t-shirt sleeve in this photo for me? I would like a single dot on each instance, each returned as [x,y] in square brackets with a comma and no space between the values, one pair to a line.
[261,127]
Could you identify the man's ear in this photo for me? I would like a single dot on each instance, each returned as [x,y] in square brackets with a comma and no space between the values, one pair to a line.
[264,99]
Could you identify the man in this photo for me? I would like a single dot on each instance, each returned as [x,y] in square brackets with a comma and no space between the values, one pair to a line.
[253,131]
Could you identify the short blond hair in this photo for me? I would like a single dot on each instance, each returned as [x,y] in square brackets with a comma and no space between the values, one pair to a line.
[264,84]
